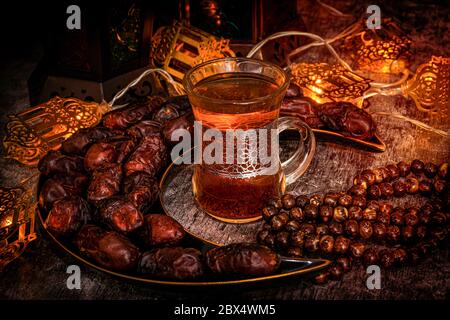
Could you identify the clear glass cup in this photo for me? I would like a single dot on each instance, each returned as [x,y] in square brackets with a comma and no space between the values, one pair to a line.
[236,104]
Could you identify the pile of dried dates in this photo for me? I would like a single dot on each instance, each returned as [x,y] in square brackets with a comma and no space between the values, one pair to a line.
[360,224]
[340,117]
[99,189]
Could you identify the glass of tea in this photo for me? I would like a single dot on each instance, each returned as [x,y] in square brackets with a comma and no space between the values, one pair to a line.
[236,104]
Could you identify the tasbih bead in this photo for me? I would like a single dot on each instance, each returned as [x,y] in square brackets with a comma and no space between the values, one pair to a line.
[370,257]
[425,187]
[385,207]
[340,214]
[387,259]
[407,234]
[374,192]
[411,219]
[400,256]
[443,171]
[301,201]
[393,234]
[357,249]
[336,228]
[374,205]
[351,228]
[261,235]
[355,213]
[403,168]
[279,221]
[268,212]
[322,229]
[311,212]
[288,201]
[378,175]
[326,244]
[341,245]
[345,200]
[292,225]
[398,217]
[421,232]
[385,173]
[297,214]
[417,166]
[369,176]
[326,213]
[439,186]
[295,252]
[370,214]
[399,188]
[394,172]
[312,243]
[298,239]
[316,200]
[308,228]
[430,169]
[386,190]
[379,231]
[269,240]
[357,191]
[331,199]
[360,181]
[276,203]
[365,229]
[345,263]
[336,272]
[359,201]
[383,217]
[412,185]
[282,239]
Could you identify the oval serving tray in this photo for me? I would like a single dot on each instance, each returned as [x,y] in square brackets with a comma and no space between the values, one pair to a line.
[290,267]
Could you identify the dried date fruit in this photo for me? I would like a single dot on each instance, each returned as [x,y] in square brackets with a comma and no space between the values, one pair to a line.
[80,141]
[173,263]
[59,187]
[303,108]
[143,129]
[149,156]
[104,184]
[185,122]
[142,190]
[127,116]
[242,260]
[120,214]
[108,248]
[68,215]
[347,119]
[107,152]
[162,230]
[56,163]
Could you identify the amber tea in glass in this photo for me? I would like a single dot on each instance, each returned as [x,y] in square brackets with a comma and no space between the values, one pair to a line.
[240,96]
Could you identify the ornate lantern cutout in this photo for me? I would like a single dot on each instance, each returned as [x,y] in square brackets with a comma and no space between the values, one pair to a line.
[178,48]
[323,82]
[33,132]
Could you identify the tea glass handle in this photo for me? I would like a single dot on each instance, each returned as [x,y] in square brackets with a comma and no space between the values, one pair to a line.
[299,162]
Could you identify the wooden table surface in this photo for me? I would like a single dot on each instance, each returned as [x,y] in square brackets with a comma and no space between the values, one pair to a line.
[40,273]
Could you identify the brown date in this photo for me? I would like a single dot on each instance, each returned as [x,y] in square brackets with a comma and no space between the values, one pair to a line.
[162,230]
[242,260]
[104,184]
[59,187]
[185,122]
[80,141]
[174,263]
[143,129]
[120,214]
[68,215]
[106,152]
[108,248]
[142,190]
[56,163]
[150,156]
